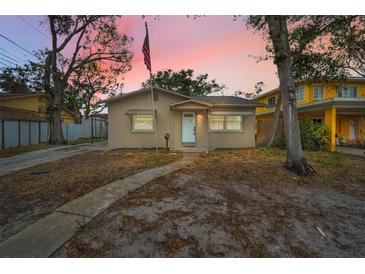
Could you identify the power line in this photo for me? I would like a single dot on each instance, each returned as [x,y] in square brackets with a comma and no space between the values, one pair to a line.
[9,57]
[8,61]
[14,56]
[19,46]
[4,64]
[33,27]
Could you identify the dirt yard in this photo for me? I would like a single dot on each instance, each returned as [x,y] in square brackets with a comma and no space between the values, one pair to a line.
[236,203]
[29,194]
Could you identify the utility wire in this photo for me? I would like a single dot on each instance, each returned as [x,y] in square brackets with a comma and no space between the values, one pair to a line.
[14,56]
[19,46]
[4,64]
[8,61]
[9,57]
[33,27]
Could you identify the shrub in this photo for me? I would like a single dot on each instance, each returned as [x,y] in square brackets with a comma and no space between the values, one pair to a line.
[313,136]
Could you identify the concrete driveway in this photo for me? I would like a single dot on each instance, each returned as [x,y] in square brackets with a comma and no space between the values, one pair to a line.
[29,159]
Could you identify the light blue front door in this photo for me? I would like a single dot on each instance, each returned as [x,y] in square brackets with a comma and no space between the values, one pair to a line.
[188,127]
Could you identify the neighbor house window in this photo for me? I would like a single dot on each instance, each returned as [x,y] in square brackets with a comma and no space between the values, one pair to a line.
[271,101]
[317,121]
[318,93]
[234,122]
[347,91]
[142,122]
[225,122]
[299,93]
[216,122]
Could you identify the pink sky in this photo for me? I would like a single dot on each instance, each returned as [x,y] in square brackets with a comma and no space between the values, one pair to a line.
[216,45]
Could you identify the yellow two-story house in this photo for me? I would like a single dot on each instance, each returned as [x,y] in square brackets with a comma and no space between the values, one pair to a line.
[338,104]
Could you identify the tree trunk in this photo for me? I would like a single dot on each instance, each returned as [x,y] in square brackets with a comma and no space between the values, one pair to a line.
[54,118]
[275,122]
[278,32]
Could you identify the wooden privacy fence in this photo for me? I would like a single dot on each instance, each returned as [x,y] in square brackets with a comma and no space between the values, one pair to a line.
[264,130]
[15,133]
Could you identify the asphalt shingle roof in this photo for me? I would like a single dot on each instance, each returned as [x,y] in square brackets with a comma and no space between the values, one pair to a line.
[232,100]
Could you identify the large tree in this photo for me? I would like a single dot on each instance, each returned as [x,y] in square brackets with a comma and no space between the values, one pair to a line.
[28,78]
[283,59]
[184,82]
[91,39]
[87,86]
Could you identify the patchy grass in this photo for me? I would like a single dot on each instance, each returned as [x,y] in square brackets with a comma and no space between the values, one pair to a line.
[7,152]
[236,203]
[329,159]
[31,193]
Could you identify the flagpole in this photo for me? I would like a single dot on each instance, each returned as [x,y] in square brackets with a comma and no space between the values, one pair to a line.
[153,102]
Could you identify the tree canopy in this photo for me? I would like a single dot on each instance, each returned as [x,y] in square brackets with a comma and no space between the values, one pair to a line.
[184,82]
[322,47]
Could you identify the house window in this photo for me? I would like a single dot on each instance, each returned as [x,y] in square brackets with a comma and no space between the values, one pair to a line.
[142,123]
[346,91]
[318,92]
[216,122]
[271,101]
[318,121]
[225,122]
[234,122]
[299,93]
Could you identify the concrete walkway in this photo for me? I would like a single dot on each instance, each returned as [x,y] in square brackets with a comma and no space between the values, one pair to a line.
[351,151]
[44,237]
[29,159]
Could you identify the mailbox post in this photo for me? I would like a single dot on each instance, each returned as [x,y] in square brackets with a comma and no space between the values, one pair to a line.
[167,137]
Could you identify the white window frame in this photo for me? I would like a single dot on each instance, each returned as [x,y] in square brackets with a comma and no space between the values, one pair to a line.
[134,130]
[225,124]
[314,92]
[268,101]
[296,96]
[346,85]
[216,130]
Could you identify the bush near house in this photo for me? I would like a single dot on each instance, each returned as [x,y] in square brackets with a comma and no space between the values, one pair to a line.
[314,136]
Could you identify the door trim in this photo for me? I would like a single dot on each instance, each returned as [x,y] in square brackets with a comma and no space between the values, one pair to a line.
[181,124]
[352,122]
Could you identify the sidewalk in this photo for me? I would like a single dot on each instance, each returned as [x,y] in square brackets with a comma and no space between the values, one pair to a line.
[29,159]
[44,237]
[351,151]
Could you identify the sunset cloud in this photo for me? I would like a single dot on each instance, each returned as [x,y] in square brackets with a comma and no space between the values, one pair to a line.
[216,45]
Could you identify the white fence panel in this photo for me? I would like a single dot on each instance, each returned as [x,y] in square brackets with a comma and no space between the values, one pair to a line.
[74,132]
[24,133]
[44,132]
[35,132]
[1,134]
[86,128]
[11,136]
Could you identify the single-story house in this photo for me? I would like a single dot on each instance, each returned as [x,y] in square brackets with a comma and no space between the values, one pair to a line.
[198,123]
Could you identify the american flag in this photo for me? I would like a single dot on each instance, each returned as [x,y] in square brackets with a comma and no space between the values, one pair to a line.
[146,50]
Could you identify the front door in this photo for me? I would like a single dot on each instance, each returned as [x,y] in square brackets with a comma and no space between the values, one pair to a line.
[188,128]
[352,130]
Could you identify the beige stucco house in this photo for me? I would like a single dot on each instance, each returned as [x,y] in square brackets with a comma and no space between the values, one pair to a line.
[198,123]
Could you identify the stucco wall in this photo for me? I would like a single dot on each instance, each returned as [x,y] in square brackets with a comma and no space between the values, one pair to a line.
[119,128]
[121,136]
